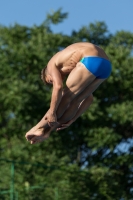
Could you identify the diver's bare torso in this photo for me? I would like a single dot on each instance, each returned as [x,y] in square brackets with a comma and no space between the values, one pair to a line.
[67,59]
[67,62]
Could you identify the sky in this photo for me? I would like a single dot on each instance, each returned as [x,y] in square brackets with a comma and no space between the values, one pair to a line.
[117,14]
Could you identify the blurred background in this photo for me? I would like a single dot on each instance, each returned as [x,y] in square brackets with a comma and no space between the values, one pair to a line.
[92,159]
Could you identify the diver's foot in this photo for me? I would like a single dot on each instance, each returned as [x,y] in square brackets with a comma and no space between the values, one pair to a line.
[38,135]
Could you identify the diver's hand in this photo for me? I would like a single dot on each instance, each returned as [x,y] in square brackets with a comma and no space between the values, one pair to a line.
[51,119]
[63,126]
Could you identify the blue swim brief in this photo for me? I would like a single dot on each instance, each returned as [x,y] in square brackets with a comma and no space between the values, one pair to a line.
[99,67]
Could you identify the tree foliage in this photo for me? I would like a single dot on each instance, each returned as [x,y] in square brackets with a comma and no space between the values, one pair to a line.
[93,158]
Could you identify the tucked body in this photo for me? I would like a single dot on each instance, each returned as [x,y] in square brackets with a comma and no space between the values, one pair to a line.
[85,66]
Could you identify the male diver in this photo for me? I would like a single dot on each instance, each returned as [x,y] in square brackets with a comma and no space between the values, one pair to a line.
[86,66]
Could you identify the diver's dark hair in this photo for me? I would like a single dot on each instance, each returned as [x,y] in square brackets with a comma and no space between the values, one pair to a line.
[43,75]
